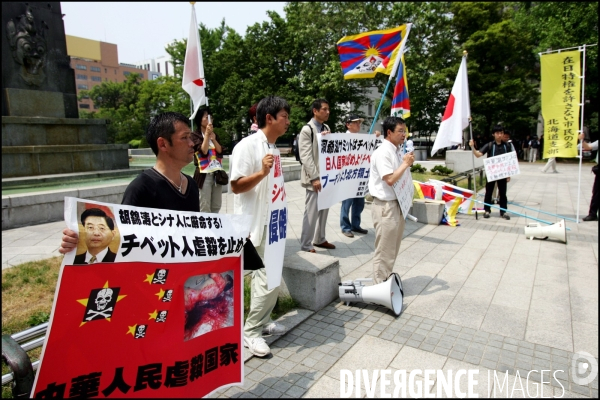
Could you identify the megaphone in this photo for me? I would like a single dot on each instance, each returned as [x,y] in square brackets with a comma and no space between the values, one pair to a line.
[555,231]
[389,293]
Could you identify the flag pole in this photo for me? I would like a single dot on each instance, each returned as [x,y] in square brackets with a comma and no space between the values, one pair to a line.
[392,75]
[192,111]
[472,154]
[380,104]
[581,129]
[193,3]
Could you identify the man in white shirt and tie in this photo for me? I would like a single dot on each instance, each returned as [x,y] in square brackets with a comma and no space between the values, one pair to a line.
[99,231]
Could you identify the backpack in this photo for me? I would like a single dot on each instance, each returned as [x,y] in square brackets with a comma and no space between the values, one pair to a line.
[492,145]
[535,144]
[297,148]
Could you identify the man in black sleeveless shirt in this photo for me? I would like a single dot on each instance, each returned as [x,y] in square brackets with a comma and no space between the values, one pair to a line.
[164,185]
[495,148]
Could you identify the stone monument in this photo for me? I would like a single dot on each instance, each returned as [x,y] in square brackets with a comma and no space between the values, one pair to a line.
[41,130]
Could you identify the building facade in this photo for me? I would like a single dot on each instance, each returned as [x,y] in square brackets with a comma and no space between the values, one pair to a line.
[95,62]
[161,64]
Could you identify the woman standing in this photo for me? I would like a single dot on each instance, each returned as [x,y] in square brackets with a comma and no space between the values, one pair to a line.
[208,155]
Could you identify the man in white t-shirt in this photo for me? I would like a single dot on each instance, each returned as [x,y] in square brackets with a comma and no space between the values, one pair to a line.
[251,165]
[386,169]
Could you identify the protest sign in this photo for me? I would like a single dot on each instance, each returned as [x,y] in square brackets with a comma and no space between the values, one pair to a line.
[502,166]
[405,191]
[152,307]
[277,224]
[345,165]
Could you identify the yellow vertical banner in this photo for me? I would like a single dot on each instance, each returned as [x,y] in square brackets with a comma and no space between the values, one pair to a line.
[561,96]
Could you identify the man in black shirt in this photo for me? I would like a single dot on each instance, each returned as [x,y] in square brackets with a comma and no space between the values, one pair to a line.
[164,185]
[495,148]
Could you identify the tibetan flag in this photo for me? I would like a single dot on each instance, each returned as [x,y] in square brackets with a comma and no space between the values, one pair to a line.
[450,209]
[452,202]
[467,201]
[424,190]
[400,101]
[365,54]
[457,113]
[193,68]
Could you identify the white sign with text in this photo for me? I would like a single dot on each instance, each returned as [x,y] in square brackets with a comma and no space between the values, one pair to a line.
[501,166]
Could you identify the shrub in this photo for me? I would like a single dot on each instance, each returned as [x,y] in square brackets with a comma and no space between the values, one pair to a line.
[441,170]
[135,143]
[418,168]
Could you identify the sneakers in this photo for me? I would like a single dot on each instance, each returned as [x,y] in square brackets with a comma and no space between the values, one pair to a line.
[273,329]
[257,346]
[348,234]
[360,230]
[590,218]
[505,216]
[486,214]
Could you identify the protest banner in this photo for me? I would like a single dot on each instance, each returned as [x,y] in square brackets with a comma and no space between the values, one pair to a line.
[154,310]
[345,165]
[502,166]
[405,191]
[277,224]
[561,98]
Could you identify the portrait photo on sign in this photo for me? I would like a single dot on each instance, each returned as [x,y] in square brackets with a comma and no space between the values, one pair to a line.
[208,303]
[99,236]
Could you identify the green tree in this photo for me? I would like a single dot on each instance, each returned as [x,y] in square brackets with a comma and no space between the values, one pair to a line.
[130,105]
[501,67]
[430,49]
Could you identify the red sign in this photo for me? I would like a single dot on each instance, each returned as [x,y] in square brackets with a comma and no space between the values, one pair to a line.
[143,329]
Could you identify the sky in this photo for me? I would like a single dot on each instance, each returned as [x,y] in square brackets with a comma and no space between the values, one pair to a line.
[141,30]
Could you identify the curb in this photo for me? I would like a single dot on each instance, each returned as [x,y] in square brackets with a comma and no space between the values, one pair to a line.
[290,320]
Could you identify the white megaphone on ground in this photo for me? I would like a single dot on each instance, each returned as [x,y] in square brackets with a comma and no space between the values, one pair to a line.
[555,231]
[388,293]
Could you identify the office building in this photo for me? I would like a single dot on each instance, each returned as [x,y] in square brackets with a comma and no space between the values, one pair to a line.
[95,62]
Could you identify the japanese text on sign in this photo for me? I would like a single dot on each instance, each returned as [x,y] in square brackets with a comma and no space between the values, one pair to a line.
[502,166]
[345,166]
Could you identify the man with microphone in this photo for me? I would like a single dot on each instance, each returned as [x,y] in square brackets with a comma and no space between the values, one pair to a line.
[386,169]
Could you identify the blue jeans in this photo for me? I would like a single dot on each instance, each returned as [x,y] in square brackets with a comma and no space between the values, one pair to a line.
[357,204]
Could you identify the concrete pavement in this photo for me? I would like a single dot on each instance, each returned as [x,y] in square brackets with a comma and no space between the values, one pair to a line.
[478,296]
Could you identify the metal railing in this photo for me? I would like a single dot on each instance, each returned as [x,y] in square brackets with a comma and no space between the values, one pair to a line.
[14,352]
[466,175]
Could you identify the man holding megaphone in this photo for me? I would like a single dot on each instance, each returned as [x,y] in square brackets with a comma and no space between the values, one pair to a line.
[386,169]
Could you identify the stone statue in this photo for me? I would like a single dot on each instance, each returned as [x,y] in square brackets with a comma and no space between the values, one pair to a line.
[28,47]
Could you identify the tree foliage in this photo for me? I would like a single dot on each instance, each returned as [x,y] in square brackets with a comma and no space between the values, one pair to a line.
[295,56]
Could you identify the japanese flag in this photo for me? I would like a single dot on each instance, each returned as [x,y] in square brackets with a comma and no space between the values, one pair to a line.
[193,69]
[458,111]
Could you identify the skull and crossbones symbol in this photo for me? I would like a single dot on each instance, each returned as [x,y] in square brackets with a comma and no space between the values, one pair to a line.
[141,331]
[103,297]
[161,276]
[162,317]
[167,296]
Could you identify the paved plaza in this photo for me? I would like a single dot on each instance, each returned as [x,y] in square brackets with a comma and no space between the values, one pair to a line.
[477,296]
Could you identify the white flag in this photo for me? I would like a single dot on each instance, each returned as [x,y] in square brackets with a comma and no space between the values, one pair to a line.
[193,69]
[458,111]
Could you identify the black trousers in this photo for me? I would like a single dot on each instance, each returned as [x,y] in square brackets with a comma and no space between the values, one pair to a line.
[489,189]
[595,202]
